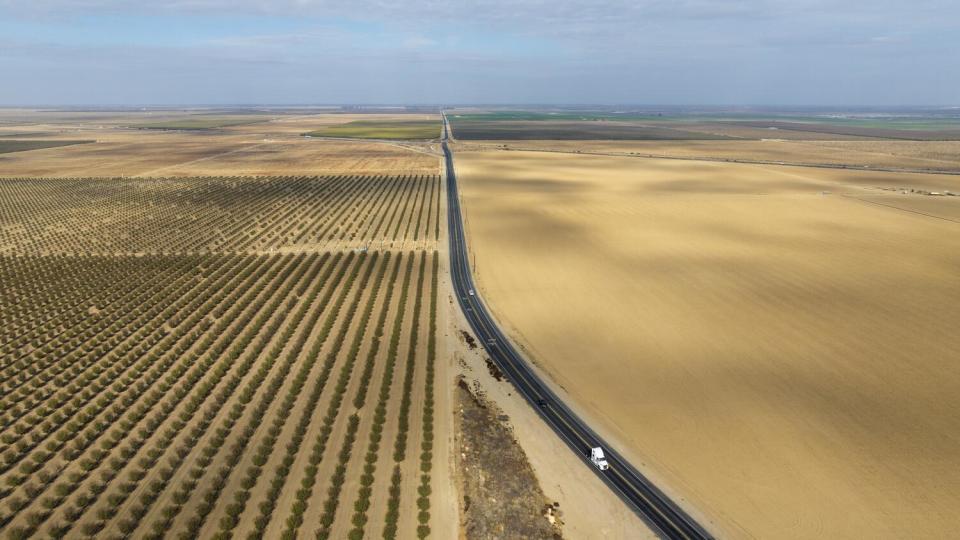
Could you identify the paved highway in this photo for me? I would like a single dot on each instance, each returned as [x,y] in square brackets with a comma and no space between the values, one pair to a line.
[657,510]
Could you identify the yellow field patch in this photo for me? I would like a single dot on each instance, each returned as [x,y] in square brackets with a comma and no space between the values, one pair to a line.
[770,343]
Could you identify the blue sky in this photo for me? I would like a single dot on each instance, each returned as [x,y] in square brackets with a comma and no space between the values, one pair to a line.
[777,52]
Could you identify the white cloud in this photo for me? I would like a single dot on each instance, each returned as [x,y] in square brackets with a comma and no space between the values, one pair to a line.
[607,50]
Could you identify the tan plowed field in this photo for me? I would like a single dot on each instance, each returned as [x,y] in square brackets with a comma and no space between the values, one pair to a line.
[777,346]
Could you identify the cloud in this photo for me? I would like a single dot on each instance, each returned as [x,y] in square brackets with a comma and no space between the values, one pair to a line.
[747,51]
[419,42]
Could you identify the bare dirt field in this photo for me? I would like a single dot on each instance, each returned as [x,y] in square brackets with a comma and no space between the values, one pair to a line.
[774,345]
[911,155]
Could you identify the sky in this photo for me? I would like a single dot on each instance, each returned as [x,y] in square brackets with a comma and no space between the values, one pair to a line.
[669,52]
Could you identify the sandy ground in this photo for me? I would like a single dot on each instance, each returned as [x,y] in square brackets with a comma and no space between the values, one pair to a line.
[772,344]
[268,148]
[913,155]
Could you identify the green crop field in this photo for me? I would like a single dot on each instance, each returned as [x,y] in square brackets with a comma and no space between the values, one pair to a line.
[372,129]
[23,146]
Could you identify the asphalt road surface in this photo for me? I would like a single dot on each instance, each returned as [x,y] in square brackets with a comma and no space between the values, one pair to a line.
[663,515]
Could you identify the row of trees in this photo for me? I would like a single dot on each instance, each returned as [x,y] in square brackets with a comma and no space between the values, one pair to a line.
[206,365]
[400,443]
[429,204]
[38,356]
[306,273]
[299,507]
[332,501]
[137,408]
[265,364]
[44,295]
[131,416]
[94,381]
[362,504]
[268,505]
[265,449]
[168,216]
[85,409]
[426,443]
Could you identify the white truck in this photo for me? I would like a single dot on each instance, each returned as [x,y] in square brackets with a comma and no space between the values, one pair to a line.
[598,459]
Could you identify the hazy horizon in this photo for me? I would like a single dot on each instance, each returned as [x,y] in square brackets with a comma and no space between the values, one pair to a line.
[692,52]
[685,108]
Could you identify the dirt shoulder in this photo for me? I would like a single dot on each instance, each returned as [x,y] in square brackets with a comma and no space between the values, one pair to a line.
[583,506]
[501,494]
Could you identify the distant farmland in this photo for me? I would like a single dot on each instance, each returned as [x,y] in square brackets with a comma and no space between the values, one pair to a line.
[552,116]
[888,130]
[374,129]
[23,146]
[201,122]
[571,130]
[567,124]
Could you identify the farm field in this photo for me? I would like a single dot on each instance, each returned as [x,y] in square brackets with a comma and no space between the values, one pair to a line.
[202,337]
[940,156]
[268,148]
[680,125]
[381,129]
[196,122]
[7,146]
[771,344]
[185,154]
[884,130]
[216,357]
[233,214]
[572,130]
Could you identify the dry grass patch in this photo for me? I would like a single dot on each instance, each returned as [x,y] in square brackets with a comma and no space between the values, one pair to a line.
[501,495]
